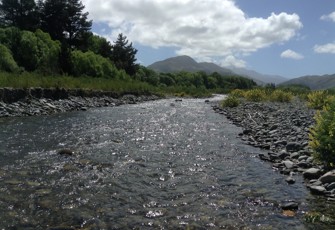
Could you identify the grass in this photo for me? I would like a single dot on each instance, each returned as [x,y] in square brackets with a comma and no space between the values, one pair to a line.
[32,80]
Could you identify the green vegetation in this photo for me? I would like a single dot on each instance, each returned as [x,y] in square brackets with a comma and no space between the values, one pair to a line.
[319,99]
[322,135]
[230,101]
[49,44]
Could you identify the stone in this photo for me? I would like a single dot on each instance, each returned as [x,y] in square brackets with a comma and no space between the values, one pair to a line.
[329,177]
[312,173]
[317,190]
[290,180]
[66,152]
[291,205]
[293,146]
[288,164]
[330,186]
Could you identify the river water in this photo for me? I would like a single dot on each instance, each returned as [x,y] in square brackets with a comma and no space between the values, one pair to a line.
[155,165]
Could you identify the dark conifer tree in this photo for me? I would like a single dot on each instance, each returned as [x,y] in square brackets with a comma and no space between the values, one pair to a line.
[19,13]
[65,20]
[123,55]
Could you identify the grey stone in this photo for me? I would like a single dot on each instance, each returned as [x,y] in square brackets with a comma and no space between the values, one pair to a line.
[288,164]
[318,190]
[293,146]
[312,173]
[291,205]
[329,177]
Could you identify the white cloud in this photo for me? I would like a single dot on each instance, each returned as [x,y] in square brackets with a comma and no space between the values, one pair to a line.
[330,17]
[327,48]
[231,61]
[291,54]
[198,28]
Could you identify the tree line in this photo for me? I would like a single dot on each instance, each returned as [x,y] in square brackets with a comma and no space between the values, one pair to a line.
[54,37]
[66,22]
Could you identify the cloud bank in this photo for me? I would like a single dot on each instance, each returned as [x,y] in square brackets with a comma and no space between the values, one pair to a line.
[291,55]
[327,48]
[215,29]
[328,17]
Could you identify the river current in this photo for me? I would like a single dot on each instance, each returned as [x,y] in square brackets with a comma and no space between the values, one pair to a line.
[155,165]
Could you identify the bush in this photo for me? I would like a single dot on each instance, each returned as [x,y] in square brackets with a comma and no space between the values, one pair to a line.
[7,62]
[92,65]
[230,101]
[322,135]
[281,96]
[318,99]
[255,95]
[237,93]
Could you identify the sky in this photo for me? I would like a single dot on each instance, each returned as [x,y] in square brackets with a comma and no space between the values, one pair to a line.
[291,38]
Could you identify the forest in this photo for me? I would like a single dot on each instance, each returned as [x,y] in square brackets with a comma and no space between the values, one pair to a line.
[52,41]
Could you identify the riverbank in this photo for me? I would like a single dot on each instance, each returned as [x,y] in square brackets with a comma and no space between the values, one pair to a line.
[39,101]
[282,129]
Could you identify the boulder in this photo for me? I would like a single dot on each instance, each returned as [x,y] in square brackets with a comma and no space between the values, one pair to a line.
[318,190]
[312,173]
[329,177]
[291,205]
[288,164]
[293,147]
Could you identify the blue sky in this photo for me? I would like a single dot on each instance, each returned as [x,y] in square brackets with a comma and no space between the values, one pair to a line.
[290,38]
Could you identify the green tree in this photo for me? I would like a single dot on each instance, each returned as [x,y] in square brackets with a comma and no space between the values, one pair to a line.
[7,62]
[123,55]
[19,13]
[92,65]
[65,20]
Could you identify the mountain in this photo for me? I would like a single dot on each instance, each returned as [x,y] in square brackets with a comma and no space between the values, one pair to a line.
[259,76]
[186,63]
[314,81]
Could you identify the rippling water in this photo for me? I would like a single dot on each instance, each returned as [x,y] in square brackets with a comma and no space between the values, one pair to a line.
[156,165]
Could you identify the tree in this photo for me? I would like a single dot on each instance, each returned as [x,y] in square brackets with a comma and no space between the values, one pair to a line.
[19,13]
[123,55]
[65,20]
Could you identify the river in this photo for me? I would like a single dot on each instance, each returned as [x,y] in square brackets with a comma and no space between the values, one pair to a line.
[155,165]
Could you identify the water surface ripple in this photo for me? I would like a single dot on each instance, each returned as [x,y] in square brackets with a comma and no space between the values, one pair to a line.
[156,165]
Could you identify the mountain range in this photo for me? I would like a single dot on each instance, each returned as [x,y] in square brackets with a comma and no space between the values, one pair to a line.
[186,63]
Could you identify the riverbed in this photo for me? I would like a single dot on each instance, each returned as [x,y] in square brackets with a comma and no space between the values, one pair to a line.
[162,164]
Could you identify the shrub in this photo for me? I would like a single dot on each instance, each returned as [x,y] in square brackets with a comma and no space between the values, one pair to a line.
[281,96]
[322,135]
[7,62]
[237,93]
[318,99]
[255,95]
[91,64]
[230,101]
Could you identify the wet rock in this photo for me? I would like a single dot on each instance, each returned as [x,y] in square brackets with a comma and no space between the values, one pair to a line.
[318,190]
[288,164]
[66,152]
[290,180]
[312,173]
[329,177]
[331,186]
[291,205]
[293,146]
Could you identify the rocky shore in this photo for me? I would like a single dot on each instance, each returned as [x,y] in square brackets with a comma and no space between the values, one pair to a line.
[38,101]
[282,129]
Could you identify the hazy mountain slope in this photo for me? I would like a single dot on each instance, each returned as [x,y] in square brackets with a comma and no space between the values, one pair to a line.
[186,63]
[258,76]
[314,82]
[176,64]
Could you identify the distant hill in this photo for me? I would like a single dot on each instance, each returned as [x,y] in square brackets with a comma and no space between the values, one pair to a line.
[259,76]
[314,81]
[186,63]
